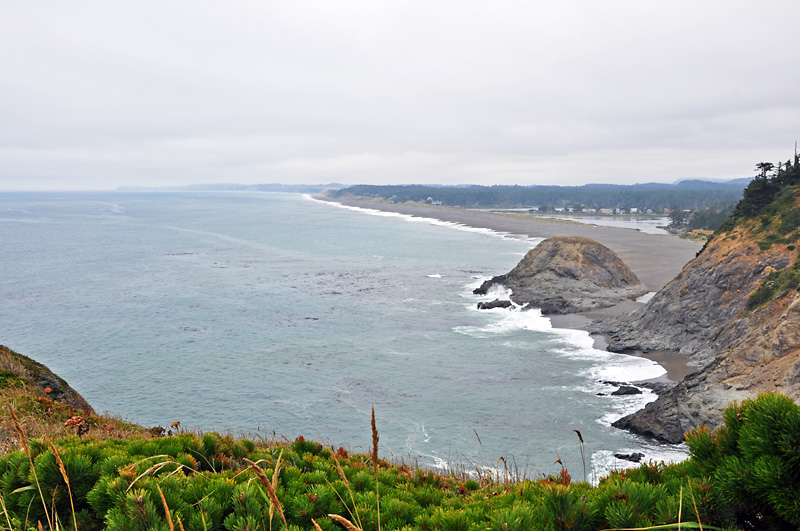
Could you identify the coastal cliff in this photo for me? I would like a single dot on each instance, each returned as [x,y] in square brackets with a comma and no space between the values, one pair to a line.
[39,403]
[569,275]
[734,311]
[23,371]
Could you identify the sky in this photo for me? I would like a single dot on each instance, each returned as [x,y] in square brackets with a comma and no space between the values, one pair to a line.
[99,95]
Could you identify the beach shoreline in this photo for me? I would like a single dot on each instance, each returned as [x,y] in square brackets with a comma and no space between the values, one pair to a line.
[655,259]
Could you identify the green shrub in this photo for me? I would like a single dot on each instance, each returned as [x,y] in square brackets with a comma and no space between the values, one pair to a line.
[302,446]
[790,220]
[519,517]
[567,508]
[754,459]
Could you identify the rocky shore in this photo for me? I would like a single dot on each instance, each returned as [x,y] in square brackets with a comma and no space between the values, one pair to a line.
[704,313]
[702,317]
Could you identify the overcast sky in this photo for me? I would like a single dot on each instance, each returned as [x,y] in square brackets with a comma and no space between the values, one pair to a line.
[96,95]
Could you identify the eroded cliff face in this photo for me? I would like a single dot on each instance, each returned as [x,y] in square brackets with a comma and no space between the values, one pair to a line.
[569,275]
[740,348]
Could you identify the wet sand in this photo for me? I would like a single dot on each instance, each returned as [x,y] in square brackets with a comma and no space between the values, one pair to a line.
[655,259]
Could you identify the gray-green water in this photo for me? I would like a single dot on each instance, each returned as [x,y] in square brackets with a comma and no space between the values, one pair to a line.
[268,313]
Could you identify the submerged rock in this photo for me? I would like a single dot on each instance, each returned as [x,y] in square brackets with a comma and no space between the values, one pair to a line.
[569,275]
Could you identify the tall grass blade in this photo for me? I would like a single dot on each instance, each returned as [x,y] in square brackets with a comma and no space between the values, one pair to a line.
[583,453]
[63,470]
[345,522]
[270,490]
[24,442]
[696,512]
[5,511]
[166,509]
[375,439]
[274,487]
[354,513]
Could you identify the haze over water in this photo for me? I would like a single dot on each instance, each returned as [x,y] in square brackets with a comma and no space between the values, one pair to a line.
[279,315]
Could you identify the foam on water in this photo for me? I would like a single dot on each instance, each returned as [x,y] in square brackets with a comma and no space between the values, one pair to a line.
[609,365]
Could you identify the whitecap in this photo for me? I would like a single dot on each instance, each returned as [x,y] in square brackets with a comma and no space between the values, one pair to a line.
[507,321]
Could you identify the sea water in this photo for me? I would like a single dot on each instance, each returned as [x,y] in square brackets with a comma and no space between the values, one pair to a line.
[277,315]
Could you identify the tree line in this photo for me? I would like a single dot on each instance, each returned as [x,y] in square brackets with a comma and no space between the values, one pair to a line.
[688,195]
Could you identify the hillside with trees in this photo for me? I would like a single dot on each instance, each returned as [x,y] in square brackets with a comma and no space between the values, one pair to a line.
[657,197]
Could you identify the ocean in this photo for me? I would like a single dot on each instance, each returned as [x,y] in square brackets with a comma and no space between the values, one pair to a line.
[277,315]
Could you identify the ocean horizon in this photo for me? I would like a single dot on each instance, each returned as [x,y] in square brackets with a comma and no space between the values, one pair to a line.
[277,315]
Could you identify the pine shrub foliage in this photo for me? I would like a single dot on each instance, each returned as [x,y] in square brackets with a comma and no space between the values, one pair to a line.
[746,475]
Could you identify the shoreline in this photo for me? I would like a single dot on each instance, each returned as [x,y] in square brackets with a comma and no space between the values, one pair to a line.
[655,259]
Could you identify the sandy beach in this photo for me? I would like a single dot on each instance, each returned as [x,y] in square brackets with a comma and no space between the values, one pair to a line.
[655,259]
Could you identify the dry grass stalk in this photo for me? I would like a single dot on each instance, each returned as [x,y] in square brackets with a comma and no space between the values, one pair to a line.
[273,496]
[24,441]
[156,467]
[340,470]
[63,470]
[274,486]
[5,511]
[316,525]
[375,439]
[166,509]
[345,522]
[583,453]
[354,513]
[696,512]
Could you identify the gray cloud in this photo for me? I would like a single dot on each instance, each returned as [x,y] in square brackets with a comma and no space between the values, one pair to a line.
[98,95]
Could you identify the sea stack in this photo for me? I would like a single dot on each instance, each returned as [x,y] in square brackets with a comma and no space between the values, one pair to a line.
[569,275]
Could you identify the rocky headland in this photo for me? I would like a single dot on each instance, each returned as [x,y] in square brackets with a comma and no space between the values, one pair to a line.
[565,275]
[734,311]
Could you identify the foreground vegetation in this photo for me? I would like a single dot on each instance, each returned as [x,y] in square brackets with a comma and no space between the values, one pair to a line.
[746,475]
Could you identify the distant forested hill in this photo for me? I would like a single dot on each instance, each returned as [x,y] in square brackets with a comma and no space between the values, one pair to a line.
[656,196]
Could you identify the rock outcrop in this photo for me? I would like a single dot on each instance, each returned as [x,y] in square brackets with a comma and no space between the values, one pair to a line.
[706,313]
[569,275]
